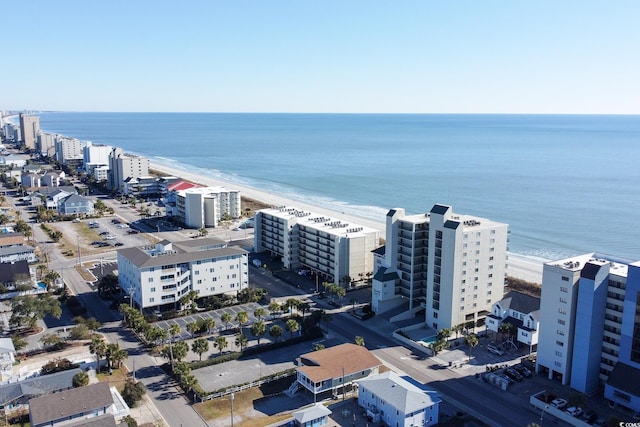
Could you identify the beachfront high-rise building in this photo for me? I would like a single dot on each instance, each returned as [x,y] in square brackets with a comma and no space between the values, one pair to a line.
[161,274]
[198,207]
[46,144]
[335,250]
[30,126]
[123,166]
[451,265]
[95,156]
[590,333]
[68,151]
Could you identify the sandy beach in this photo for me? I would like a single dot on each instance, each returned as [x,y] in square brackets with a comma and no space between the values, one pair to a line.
[518,266]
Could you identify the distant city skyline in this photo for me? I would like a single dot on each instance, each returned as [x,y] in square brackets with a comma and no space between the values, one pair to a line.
[570,57]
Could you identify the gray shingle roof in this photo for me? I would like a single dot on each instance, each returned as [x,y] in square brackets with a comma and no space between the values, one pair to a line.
[37,386]
[69,403]
[440,209]
[181,254]
[9,270]
[625,377]
[400,393]
[385,274]
[520,302]
[12,250]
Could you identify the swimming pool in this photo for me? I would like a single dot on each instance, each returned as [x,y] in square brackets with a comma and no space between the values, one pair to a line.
[42,286]
[430,340]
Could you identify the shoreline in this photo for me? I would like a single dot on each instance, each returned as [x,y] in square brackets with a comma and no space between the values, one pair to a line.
[518,266]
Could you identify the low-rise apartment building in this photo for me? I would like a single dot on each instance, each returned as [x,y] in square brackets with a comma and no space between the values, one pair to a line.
[160,274]
[333,249]
[522,312]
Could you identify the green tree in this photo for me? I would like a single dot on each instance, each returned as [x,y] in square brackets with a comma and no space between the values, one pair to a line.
[274,308]
[221,343]
[318,346]
[242,318]
[80,332]
[259,313]
[192,328]
[209,324]
[133,392]
[18,342]
[200,346]
[51,340]
[108,285]
[472,342]
[130,421]
[275,331]
[226,319]
[28,309]
[241,341]
[292,326]
[358,340]
[115,355]
[458,329]
[258,329]
[98,346]
[176,352]
[80,379]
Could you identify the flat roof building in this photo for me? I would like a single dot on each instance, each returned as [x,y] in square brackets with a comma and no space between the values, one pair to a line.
[332,248]
[451,265]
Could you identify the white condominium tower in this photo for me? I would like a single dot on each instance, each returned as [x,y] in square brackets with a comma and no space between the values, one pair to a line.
[331,248]
[30,126]
[450,265]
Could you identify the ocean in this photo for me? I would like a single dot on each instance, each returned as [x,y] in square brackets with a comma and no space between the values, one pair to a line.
[565,184]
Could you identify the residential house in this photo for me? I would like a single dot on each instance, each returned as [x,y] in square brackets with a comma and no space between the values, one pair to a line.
[14,396]
[53,178]
[74,406]
[313,416]
[520,310]
[398,401]
[30,180]
[75,205]
[17,273]
[11,239]
[17,253]
[331,369]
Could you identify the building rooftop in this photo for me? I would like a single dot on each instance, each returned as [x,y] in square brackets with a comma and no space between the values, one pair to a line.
[522,303]
[625,377]
[70,402]
[334,362]
[180,252]
[327,224]
[399,392]
[37,386]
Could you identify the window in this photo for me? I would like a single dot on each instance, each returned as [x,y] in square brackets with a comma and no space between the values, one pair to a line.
[563,289]
[558,364]
[560,332]
[150,279]
[199,281]
[153,289]
[560,321]
[151,299]
[462,299]
[565,278]
[563,300]
[558,353]
[211,270]
[197,272]
[562,310]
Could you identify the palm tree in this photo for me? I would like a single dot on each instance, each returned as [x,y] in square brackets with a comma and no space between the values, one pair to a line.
[304,307]
[275,331]
[241,341]
[115,355]
[358,340]
[258,329]
[292,326]
[209,324]
[472,342]
[259,313]
[192,328]
[221,343]
[458,329]
[174,330]
[242,318]
[274,307]
[200,346]
[226,319]
[98,347]
[40,270]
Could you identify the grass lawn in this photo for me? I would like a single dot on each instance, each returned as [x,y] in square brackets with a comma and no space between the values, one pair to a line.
[117,378]
[242,403]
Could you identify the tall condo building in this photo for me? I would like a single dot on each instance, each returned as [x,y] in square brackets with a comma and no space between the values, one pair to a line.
[451,266]
[95,156]
[30,126]
[123,166]
[68,150]
[333,249]
[199,207]
[590,328]
[160,274]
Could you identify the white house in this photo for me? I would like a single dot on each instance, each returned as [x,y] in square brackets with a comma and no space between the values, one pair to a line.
[520,310]
[7,358]
[398,402]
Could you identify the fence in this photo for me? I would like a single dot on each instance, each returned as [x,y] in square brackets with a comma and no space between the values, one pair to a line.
[243,387]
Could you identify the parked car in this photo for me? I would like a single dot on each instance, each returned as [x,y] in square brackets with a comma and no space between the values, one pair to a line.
[513,374]
[118,244]
[133,231]
[575,411]
[523,370]
[104,233]
[109,236]
[115,221]
[559,403]
[506,378]
[495,350]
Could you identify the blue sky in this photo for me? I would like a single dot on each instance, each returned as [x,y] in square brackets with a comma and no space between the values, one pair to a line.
[422,56]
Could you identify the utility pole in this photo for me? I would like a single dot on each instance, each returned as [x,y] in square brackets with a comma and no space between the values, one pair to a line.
[232,409]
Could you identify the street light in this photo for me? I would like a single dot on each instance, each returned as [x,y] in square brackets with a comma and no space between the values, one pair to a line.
[231,398]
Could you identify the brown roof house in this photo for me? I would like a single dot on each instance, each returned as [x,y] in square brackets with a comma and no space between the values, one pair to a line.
[80,406]
[334,368]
